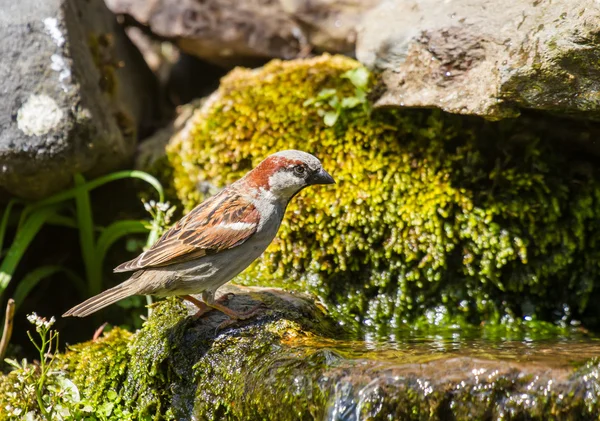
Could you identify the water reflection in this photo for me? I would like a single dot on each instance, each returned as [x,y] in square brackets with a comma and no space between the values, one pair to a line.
[406,347]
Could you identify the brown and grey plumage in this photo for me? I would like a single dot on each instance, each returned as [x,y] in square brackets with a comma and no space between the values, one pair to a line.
[218,239]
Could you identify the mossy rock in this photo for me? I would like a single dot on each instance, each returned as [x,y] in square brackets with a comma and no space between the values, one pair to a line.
[435,219]
[176,365]
[293,363]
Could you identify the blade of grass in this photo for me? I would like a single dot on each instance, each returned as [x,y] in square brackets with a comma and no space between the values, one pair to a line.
[4,222]
[63,221]
[115,231]
[25,234]
[90,185]
[30,281]
[86,236]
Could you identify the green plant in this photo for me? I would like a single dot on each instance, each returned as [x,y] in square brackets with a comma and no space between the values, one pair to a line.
[94,241]
[43,389]
[359,77]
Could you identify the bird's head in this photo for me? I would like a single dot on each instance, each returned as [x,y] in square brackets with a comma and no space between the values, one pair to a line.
[285,173]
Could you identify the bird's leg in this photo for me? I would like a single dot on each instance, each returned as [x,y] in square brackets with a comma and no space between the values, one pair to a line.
[209,303]
[202,307]
[209,300]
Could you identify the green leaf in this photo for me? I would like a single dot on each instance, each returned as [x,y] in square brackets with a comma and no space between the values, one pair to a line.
[111,395]
[91,185]
[105,409]
[326,94]
[334,102]
[68,389]
[13,363]
[330,118]
[350,102]
[309,101]
[4,222]
[360,94]
[359,77]
[114,232]
[30,281]
[86,236]
[23,238]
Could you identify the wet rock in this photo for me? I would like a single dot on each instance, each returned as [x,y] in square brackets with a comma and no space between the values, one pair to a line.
[233,32]
[486,57]
[291,362]
[75,93]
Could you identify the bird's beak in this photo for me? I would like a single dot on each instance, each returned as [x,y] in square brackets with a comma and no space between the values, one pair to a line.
[322,177]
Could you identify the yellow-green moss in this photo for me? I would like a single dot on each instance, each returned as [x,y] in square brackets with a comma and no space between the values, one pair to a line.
[433,216]
[287,365]
[99,366]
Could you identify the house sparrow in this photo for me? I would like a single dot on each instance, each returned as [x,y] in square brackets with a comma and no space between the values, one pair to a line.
[218,239]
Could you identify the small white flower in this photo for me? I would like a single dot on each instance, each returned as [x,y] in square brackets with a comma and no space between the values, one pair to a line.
[163,206]
[40,322]
[32,318]
[49,323]
[147,207]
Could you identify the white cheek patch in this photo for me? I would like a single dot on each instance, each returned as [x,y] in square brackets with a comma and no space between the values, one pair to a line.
[282,179]
[238,226]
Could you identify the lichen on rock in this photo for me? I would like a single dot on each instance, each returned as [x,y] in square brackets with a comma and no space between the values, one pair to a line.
[434,217]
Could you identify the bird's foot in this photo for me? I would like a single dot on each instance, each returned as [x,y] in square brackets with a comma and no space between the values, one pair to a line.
[202,307]
[235,317]
[225,297]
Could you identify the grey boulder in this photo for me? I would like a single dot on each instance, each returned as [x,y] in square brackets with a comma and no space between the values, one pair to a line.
[74,92]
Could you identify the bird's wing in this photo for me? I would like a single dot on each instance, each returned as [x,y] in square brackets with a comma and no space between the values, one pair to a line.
[222,222]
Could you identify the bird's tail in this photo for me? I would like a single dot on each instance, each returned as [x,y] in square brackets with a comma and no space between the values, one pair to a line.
[101,300]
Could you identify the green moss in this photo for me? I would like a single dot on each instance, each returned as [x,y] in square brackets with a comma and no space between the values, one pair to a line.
[147,384]
[287,365]
[435,217]
[99,367]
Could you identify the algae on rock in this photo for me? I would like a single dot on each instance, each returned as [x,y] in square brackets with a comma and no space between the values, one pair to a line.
[293,363]
[434,217]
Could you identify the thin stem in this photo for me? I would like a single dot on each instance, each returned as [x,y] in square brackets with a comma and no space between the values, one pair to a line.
[8,327]
[42,380]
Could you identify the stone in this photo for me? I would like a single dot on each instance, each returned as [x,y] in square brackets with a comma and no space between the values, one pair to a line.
[486,57]
[75,93]
[235,32]
[292,362]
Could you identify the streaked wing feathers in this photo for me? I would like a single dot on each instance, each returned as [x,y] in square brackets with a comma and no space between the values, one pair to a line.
[222,222]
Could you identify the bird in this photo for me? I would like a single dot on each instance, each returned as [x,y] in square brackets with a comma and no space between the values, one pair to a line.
[217,239]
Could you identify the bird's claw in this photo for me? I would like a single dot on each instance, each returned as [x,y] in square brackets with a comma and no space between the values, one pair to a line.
[225,297]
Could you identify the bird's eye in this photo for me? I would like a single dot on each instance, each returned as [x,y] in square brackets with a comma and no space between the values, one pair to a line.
[299,170]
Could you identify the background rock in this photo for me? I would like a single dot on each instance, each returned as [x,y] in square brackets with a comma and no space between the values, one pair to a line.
[232,32]
[75,94]
[486,57]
